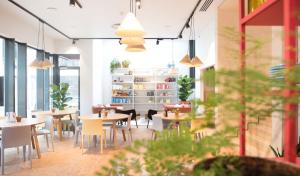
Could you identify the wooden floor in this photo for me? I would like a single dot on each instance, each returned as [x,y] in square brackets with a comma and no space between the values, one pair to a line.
[66,160]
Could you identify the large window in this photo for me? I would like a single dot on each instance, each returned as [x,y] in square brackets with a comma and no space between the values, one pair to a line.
[31,81]
[2,77]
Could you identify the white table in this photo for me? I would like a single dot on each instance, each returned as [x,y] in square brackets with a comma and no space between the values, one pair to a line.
[26,122]
[114,118]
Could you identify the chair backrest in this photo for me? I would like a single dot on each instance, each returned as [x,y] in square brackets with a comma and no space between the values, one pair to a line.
[151,112]
[128,112]
[75,118]
[92,126]
[157,123]
[16,136]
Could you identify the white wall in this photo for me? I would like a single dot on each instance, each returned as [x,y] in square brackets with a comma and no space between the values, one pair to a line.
[155,56]
[14,25]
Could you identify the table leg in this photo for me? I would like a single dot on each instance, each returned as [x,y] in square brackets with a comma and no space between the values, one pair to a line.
[115,134]
[36,142]
[59,129]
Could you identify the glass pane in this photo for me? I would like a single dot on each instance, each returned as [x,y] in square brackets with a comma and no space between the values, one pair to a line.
[31,81]
[1,77]
[65,62]
[71,76]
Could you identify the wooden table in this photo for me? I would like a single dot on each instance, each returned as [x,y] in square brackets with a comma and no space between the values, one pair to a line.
[183,108]
[172,117]
[27,122]
[114,118]
[57,116]
[98,108]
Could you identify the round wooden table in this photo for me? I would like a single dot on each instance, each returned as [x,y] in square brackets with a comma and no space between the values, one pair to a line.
[57,116]
[114,118]
[172,117]
[26,122]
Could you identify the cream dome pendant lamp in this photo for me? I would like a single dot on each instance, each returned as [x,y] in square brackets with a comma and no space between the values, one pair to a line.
[131,32]
[45,63]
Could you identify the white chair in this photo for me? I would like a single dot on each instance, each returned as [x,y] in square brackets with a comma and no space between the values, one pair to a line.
[48,129]
[15,137]
[93,127]
[126,128]
[157,125]
[77,127]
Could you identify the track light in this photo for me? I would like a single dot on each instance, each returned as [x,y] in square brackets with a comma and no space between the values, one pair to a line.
[138,3]
[180,36]
[157,42]
[120,42]
[74,42]
[72,3]
[187,25]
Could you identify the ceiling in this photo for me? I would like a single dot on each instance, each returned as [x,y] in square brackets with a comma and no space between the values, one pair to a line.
[160,18]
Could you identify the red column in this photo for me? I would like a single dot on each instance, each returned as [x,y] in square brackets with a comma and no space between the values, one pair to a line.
[242,129]
[290,58]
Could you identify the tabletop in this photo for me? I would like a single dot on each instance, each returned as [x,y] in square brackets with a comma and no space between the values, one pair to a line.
[24,122]
[56,113]
[172,117]
[110,117]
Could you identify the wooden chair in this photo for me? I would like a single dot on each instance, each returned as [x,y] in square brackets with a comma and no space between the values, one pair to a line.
[93,127]
[126,129]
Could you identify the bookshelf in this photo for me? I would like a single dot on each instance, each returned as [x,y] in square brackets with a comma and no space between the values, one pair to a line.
[144,89]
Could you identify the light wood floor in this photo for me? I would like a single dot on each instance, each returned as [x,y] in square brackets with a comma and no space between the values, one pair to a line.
[66,160]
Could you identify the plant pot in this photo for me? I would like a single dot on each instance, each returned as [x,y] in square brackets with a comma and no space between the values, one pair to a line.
[246,166]
[53,110]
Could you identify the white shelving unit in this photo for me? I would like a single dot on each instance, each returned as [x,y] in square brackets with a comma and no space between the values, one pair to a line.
[144,89]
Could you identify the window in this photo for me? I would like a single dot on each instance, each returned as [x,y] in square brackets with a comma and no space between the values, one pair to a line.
[31,81]
[2,113]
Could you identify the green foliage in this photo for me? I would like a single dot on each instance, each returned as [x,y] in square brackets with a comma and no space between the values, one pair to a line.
[114,64]
[125,63]
[59,94]
[185,87]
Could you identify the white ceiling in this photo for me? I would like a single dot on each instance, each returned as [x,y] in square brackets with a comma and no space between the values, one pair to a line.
[160,18]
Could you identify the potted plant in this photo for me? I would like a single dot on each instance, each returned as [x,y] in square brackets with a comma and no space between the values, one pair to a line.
[125,63]
[59,94]
[114,64]
[185,87]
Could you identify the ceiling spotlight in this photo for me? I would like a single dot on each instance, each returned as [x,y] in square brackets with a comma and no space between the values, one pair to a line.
[72,3]
[187,25]
[157,42]
[120,42]
[138,3]
[180,36]
[74,42]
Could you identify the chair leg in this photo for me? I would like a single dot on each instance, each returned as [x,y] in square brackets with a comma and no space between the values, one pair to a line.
[148,123]
[105,138]
[52,142]
[29,155]
[124,137]
[101,143]
[136,123]
[24,153]
[47,140]
[130,132]
[2,160]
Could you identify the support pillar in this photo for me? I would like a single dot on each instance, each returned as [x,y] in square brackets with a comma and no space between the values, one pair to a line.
[290,59]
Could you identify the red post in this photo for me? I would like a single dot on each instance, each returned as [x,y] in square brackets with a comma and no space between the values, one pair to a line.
[290,58]
[242,129]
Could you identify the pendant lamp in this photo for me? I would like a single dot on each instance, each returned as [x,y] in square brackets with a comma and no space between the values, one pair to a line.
[130,27]
[132,40]
[45,63]
[135,48]
[196,62]
[186,60]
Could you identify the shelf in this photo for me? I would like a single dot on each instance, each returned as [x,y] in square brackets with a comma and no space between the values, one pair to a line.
[123,89]
[166,96]
[123,103]
[166,82]
[145,103]
[166,89]
[122,75]
[122,96]
[122,82]
[144,82]
[144,96]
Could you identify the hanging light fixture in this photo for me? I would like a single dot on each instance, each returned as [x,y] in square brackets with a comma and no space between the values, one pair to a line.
[186,60]
[131,31]
[132,40]
[44,63]
[135,48]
